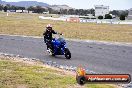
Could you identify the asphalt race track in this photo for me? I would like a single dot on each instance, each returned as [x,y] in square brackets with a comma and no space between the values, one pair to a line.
[100,58]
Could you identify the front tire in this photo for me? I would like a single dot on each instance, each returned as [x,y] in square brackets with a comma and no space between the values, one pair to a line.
[67,53]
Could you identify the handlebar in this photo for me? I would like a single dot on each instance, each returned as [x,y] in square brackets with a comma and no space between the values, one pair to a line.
[60,34]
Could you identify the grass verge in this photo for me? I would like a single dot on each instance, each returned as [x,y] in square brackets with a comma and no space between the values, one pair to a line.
[30,24]
[16,73]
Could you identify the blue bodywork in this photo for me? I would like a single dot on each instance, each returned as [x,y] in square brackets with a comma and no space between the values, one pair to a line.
[59,46]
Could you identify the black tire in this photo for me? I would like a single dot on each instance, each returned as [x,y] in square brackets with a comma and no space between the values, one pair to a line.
[67,53]
[81,80]
[53,54]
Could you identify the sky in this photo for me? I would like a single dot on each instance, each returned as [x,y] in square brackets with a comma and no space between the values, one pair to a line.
[87,4]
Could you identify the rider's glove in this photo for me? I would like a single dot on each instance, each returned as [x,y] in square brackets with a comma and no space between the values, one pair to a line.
[60,34]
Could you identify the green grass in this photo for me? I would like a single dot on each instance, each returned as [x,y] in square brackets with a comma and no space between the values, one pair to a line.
[18,74]
[30,24]
[15,74]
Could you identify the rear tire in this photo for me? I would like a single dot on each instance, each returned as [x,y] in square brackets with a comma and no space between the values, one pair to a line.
[53,54]
[67,53]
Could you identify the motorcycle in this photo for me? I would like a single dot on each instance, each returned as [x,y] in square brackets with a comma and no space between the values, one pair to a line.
[59,47]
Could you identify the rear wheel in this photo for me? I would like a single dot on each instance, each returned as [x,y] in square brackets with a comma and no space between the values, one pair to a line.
[53,54]
[67,53]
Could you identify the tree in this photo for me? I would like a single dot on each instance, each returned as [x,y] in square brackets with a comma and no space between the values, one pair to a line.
[115,12]
[21,8]
[119,13]
[108,16]
[64,11]
[71,11]
[100,17]
[8,6]
[77,12]
[125,13]
[84,12]
[122,17]
[92,11]
[13,8]
[81,12]
[5,9]
[30,8]
[1,7]
[37,9]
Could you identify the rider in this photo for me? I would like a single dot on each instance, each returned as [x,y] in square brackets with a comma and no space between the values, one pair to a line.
[48,36]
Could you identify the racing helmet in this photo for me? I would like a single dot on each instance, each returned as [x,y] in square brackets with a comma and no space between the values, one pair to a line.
[49,27]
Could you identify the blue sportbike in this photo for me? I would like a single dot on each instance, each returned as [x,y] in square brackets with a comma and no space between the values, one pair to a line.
[59,47]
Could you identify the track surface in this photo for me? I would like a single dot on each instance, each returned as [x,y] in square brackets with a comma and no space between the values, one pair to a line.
[100,58]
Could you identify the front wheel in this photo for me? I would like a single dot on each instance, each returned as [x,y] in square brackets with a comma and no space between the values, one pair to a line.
[67,53]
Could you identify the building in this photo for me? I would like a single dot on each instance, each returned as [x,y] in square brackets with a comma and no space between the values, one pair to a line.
[21,11]
[46,12]
[101,10]
[130,14]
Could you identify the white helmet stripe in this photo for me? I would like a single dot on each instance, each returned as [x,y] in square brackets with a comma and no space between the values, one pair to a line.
[49,25]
